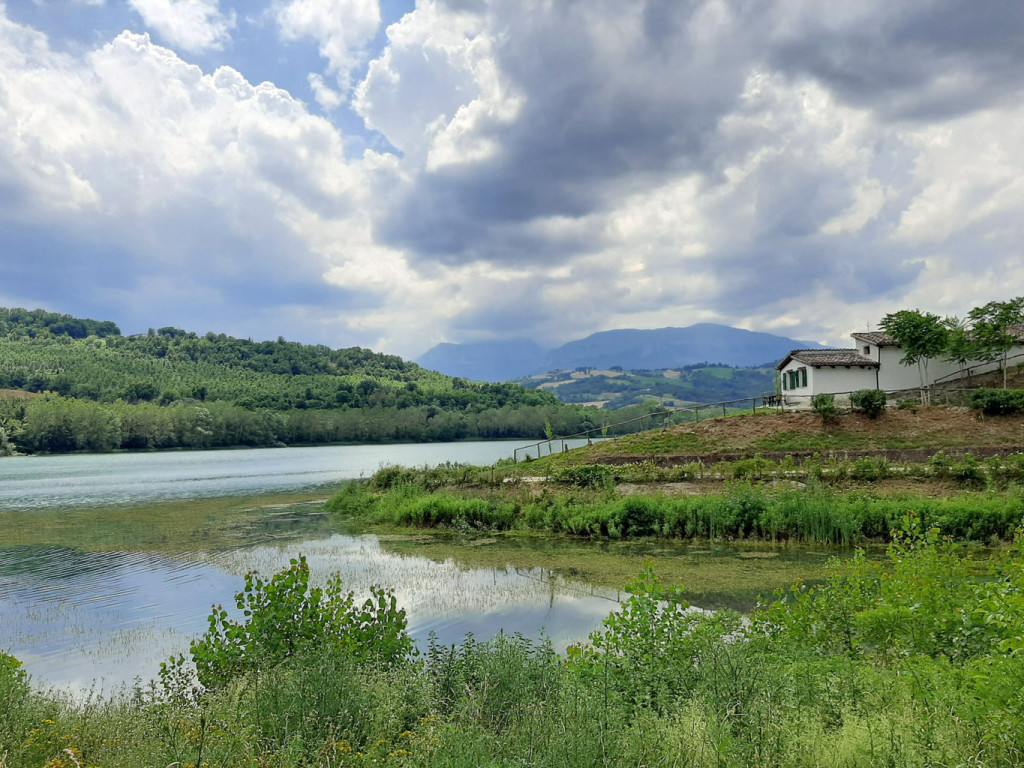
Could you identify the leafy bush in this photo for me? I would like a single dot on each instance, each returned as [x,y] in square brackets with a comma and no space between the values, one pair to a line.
[871,401]
[655,645]
[870,468]
[825,406]
[285,618]
[13,680]
[940,464]
[969,472]
[585,476]
[998,402]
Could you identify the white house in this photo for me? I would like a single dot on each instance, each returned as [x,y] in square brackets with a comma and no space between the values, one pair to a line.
[873,364]
[806,372]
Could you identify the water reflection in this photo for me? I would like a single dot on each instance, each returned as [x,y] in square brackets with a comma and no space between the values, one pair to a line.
[78,619]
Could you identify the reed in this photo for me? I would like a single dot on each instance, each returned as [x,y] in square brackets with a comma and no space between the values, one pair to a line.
[741,511]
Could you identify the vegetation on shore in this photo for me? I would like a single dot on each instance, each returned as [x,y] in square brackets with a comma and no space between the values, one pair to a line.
[646,486]
[907,661]
[96,390]
[583,501]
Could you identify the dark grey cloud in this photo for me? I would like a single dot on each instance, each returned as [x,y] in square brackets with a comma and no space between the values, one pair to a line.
[597,119]
[191,278]
[916,60]
[561,167]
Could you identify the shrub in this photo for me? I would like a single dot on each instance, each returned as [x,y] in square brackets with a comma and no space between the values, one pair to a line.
[285,618]
[871,401]
[941,465]
[585,476]
[870,468]
[825,406]
[998,402]
[968,472]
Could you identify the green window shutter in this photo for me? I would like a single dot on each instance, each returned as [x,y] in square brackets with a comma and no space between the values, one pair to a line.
[785,379]
[803,376]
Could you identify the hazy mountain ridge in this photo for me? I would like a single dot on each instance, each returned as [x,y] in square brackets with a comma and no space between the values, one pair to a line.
[631,349]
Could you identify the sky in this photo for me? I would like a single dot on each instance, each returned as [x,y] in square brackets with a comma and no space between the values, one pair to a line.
[393,174]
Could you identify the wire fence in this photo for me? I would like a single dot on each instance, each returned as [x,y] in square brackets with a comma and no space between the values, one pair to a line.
[653,420]
[934,395]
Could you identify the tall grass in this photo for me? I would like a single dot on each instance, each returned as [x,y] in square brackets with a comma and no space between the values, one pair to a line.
[816,514]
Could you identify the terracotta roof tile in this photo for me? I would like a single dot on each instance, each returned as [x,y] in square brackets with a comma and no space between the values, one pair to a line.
[819,357]
[878,338]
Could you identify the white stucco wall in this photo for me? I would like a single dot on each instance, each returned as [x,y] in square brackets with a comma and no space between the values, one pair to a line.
[842,379]
[893,375]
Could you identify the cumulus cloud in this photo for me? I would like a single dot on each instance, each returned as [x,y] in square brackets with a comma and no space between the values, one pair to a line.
[559,168]
[342,28]
[193,25]
[325,96]
[659,163]
[207,191]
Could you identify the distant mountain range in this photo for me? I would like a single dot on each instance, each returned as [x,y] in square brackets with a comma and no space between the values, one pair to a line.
[655,349]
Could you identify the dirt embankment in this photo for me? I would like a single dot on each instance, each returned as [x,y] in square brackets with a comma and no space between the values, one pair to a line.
[900,435]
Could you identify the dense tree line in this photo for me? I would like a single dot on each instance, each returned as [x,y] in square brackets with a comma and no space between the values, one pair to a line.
[54,424]
[170,388]
[279,375]
[18,323]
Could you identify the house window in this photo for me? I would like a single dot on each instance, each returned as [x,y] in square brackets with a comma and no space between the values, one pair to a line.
[803,377]
[867,351]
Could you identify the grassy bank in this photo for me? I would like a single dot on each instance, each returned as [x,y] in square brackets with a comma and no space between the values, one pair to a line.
[918,429]
[909,661]
[741,510]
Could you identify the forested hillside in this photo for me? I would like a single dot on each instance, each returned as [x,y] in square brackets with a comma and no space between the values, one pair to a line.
[99,390]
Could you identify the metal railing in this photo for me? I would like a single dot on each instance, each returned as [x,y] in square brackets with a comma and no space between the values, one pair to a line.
[972,370]
[768,401]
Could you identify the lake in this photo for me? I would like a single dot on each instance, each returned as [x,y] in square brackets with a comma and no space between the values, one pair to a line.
[110,563]
[48,482]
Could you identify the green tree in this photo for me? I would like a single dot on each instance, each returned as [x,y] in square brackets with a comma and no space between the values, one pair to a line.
[960,344]
[992,327]
[922,335]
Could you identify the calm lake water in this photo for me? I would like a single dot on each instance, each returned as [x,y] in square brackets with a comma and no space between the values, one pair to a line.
[80,619]
[48,482]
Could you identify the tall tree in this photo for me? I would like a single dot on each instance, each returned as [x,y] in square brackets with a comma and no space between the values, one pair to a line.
[922,336]
[994,331]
